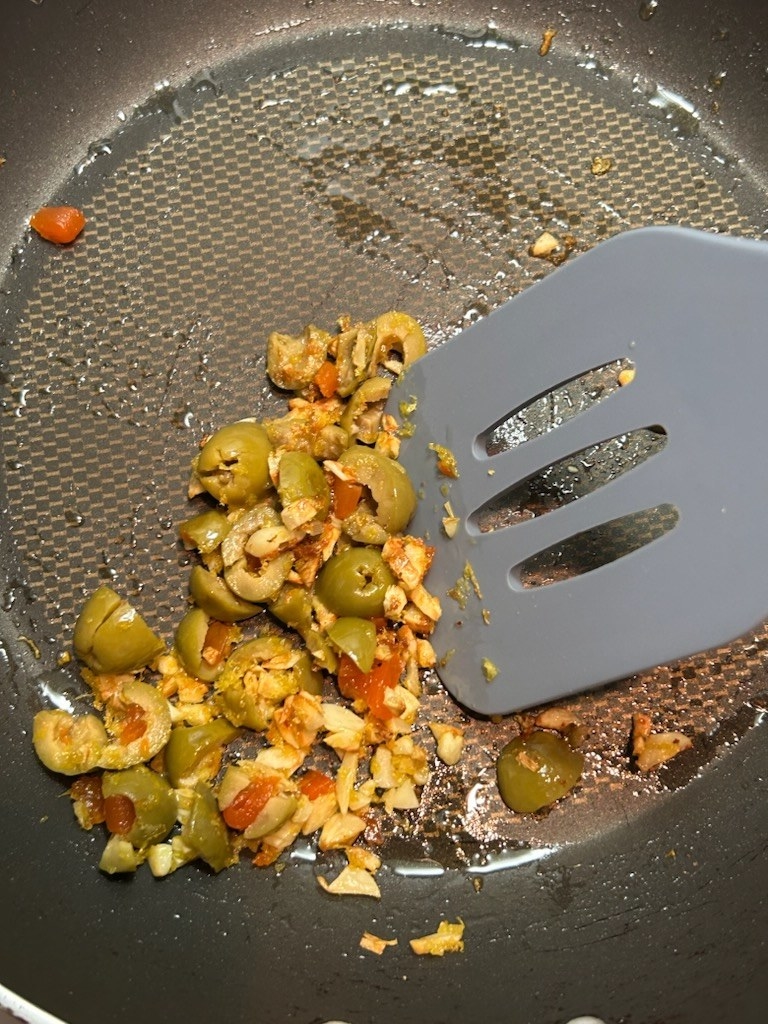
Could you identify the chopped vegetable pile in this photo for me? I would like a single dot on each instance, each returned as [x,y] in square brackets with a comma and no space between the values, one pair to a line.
[288,704]
[257,728]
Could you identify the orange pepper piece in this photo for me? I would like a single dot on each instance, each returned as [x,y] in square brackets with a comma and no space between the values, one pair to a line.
[60,224]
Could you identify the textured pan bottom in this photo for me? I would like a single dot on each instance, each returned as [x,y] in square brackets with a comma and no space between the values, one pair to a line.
[350,175]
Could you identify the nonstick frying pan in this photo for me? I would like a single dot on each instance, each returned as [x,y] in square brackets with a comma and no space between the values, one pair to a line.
[245,169]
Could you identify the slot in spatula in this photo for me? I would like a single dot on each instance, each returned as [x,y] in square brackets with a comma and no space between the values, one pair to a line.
[689,310]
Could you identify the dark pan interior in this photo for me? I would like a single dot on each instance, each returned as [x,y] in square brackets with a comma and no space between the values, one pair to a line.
[240,180]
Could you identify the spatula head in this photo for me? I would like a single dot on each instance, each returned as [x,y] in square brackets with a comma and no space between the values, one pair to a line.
[689,310]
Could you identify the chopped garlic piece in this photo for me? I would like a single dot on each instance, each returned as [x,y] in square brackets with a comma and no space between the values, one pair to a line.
[601,165]
[427,603]
[374,944]
[546,41]
[367,860]
[341,830]
[450,521]
[450,742]
[652,749]
[351,882]
[447,939]
[544,245]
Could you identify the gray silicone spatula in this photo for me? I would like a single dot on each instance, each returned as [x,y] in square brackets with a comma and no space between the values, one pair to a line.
[690,310]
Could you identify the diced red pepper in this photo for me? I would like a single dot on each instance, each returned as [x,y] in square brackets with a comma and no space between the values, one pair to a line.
[60,224]
[250,802]
[327,379]
[133,723]
[346,497]
[87,790]
[314,784]
[372,686]
[119,814]
[219,638]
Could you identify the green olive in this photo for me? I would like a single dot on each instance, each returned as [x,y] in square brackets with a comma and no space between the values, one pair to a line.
[307,677]
[153,801]
[320,648]
[119,857]
[211,593]
[356,638]
[206,531]
[190,642]
[194,751]
[205,832]
[399,332]
[292,362]
[301,479]
[156,714]
[293,606]
[232,465]
[257,677]
[354,582]
[253,579]
[111,637]
[390,487]
[69,744]
[277,810]
[356,357]
[362,416]
[535,770]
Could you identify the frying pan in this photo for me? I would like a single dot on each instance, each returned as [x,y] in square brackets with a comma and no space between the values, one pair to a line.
[245,168]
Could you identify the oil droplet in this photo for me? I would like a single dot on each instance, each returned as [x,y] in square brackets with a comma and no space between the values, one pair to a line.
[647,9]
[73,518]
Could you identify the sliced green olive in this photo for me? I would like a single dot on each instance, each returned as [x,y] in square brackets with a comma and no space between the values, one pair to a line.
[277,810]
[205,831]
[193,752]
[119,857]
[111,637]
[355,582]
[251,579]
[535,770]
[206,531]
[155,713]
[190,643]
[320,648]
[211,593]
[232,465]
[307,677]
[257,677]
[356,357]
[263,584]
[362,415]
[69,744]
[154,803]
[398,332]
[388,483]
[302,480]
[293,606]
[292,362]
[356,638]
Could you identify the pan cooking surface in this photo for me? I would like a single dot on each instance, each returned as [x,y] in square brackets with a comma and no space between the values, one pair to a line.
[351,175]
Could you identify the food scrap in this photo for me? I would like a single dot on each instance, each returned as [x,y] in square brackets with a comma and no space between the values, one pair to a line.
[547,37]
[60,224]
[447,939]
[601,165]
[446,460]
[549,247]
[537,768]
[626,376]
[373,944]
[449,740]
[649,749]
[288,704]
